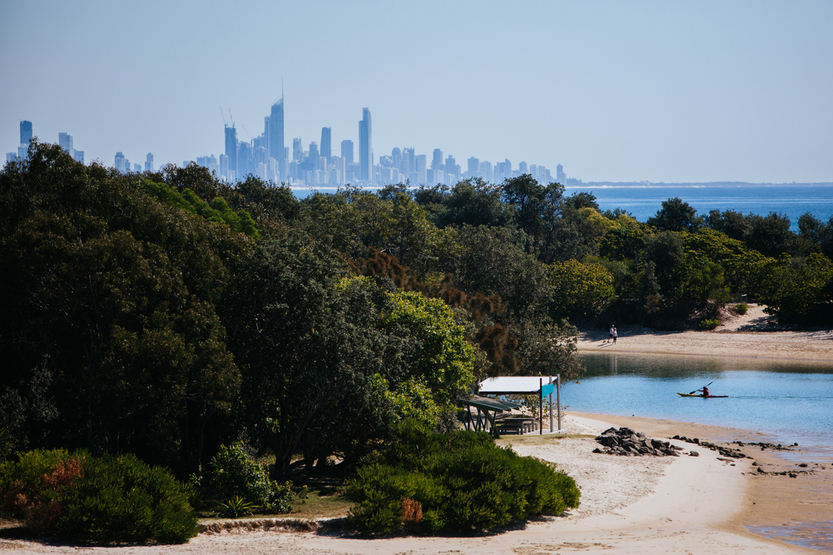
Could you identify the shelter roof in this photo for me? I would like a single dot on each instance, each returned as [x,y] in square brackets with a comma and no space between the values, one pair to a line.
[487,403]
[513,385]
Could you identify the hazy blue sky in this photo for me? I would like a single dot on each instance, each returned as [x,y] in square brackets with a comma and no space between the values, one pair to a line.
[622,91]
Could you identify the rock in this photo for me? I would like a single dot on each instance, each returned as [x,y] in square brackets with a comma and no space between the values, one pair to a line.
[693,454]
[626,442]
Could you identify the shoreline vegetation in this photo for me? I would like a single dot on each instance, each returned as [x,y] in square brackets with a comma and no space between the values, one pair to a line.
[649,505]
[168,314]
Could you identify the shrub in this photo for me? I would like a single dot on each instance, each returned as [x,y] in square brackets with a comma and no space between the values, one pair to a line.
[709,324]
[460,481]
[30,487]
[236,507]
[741,308]
[121,499]
[97,500]
[234,474]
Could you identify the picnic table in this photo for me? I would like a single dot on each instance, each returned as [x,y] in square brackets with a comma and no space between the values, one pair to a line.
[515,425]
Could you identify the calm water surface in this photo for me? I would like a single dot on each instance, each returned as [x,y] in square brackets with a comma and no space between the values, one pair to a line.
[791,401]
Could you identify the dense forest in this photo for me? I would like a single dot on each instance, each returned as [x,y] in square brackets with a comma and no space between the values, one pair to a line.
[165,314]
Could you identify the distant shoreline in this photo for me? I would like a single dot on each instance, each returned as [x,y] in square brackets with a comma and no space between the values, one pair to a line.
[662,185]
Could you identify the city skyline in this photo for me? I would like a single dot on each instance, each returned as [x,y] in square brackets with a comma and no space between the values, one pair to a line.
[683,92]
[318,167]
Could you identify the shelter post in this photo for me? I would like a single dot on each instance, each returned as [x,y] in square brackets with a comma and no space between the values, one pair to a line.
[558,398]
[551,430]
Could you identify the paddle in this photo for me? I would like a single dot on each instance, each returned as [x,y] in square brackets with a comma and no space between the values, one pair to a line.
[696,390]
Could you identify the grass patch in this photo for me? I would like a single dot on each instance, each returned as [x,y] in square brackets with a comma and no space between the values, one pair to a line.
[322,504]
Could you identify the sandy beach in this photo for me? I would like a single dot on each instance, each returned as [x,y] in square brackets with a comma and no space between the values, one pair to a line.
[686,504]
[708,503]
[753,335]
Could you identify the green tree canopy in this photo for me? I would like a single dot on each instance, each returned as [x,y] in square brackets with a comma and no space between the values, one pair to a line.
[108,307]
[676,215]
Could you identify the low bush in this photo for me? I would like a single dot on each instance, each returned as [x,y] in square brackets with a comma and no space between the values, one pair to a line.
[234,475]
[741,308]
[30,488]
[709,324]
[121,499]
[96,499]
[457,481]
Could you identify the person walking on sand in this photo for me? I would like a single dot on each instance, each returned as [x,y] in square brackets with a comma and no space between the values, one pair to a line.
[610,334]
[615,333]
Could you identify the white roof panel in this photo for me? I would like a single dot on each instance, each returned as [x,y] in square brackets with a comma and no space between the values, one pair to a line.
[513,384]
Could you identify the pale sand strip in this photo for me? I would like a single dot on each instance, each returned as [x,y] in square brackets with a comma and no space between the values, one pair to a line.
[630,505]
[728,340]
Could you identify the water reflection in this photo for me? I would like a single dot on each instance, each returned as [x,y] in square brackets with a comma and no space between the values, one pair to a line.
[792,401]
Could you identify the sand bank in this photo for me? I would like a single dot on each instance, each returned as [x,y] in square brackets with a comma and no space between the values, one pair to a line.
[753,335]
[639,505]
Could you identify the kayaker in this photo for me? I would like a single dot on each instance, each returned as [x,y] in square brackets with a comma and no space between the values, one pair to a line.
[705,391]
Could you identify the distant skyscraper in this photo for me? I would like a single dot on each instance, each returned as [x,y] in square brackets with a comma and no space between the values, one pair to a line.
[452,170]
[326,142]
[420,168]
[297,150]
[121,163]
[25,132]
[149,163]
[276,146]
[347,151]
[437,160]
[231,151]
[474,167]
[522,168]
[560,176]
[365,146]
[486,171]
[65,142]
[313,155]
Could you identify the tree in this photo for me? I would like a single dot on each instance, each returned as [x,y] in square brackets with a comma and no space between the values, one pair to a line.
[326,355]
[275,203]
[548,349]
[799,292]
[352,220]
[108,308]
[676,215]
[581,199]
[580,290]
[771,234]
[473,202]
[526,197]
[441,358]
[665,250]
[734,224]
[492,261]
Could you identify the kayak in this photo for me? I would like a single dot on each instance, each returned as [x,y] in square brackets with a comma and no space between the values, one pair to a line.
[701,395]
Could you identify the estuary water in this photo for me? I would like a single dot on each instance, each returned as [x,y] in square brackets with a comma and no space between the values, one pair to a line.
[791,401]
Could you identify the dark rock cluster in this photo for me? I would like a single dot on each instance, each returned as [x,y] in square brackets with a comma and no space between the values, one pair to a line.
[725,451]
[627,443]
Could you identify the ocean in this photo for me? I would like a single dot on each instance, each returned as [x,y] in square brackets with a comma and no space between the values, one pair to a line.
[643,201]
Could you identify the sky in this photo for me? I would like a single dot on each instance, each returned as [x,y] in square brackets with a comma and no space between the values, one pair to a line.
[615,91]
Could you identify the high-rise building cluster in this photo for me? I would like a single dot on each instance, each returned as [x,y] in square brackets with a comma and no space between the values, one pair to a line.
[266,157]
[270,159]
[64,141]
